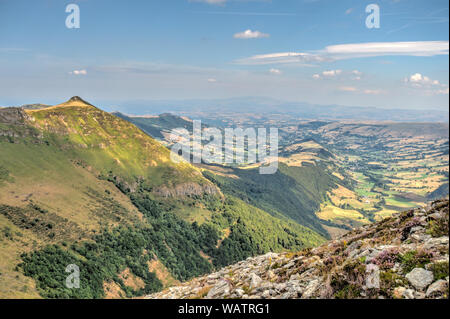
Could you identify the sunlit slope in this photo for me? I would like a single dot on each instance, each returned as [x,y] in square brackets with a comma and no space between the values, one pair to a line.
[71,173]
[110,144]
[54,169]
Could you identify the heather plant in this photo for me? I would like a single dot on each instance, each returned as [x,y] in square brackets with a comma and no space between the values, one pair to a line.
[387,258]
[413,223]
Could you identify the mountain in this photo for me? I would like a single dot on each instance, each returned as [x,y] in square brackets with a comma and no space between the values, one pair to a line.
[292,192]
[81,186]
[333,175]
[403,257]
[263,106]
[158,126]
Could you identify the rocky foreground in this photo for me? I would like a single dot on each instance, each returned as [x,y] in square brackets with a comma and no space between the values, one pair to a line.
[405,256]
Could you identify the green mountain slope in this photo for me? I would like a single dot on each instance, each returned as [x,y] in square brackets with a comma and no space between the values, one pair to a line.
[156,126]
[79,185]
[293,192]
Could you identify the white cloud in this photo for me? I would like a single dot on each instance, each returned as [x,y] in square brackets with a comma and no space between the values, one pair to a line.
[213,2]
[417,48]
[212,80]
[443,91]
[366,91]
[348,89]
[327,74]
[373,92]
[78,72]
[249,34]
[419,80]
[275,71]
[355,50]
[428,85]
[356,75]
[331,73]
[281,58]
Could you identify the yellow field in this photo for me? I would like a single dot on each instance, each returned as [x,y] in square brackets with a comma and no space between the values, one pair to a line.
[333,213]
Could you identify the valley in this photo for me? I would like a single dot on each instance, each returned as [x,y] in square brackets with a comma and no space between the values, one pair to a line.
[82,186]
[373,169]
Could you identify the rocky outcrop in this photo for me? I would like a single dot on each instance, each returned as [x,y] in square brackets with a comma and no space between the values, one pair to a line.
[13,115]
[405,256]
[14,123]
[186,189]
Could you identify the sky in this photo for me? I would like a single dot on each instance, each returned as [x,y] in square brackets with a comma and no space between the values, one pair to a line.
[315,51]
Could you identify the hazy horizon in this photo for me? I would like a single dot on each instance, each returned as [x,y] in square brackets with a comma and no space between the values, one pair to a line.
[319,52]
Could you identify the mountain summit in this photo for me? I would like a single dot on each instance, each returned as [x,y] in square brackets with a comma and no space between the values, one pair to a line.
[75,101]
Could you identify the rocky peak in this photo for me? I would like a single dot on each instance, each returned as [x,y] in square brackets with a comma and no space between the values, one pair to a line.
[77,99]
[402,257]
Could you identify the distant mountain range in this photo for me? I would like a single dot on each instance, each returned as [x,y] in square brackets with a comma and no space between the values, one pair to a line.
[260,106]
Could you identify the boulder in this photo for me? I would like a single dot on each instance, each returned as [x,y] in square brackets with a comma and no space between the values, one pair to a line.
[311,289]
[437,289]
[222,288]
[420,278]
[373,277]
[255,281]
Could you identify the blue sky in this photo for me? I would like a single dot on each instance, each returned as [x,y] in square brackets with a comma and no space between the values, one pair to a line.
[316,51]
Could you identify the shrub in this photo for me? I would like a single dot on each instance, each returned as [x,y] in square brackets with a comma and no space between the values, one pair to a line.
[387,258]
[415,259]
[439,227]
[440,270]
[389,280]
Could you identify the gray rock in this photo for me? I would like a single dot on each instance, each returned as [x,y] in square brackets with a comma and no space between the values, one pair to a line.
[289,265]
[214,276]
[439,241]
[265,294]
[255,281]
[294,277]
[399,292]
[353,246]
[416,229]
[420,237]
[419,295]
[222,288]
[311,289]
[396,267]
[435,216]
[408,294]
[239,292]
[420,278]
[373,277]
[353,253]
[271,274]
[437,289]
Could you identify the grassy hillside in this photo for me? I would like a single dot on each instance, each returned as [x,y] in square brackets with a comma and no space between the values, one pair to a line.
[155,126]
[292,192]
[79,185]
